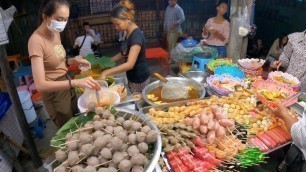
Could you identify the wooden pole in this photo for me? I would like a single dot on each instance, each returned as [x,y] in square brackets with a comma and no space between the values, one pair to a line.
[11,88]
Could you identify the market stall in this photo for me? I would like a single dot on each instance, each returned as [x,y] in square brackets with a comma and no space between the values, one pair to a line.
[232,128]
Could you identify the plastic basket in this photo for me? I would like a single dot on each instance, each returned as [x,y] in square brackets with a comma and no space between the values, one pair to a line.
[288,76]
[251,64]
[273,86]
[231,70]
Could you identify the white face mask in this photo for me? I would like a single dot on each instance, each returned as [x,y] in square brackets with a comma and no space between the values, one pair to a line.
[57,26]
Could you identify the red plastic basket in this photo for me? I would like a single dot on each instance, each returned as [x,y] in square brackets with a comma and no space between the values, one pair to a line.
[273,86]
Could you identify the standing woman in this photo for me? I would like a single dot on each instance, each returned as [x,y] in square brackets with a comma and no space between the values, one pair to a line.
[48,60]
[132,49]
[217,30]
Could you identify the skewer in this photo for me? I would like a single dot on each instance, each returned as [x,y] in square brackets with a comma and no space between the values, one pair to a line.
[70,142]
[58,139]
[53,162]
[103,163]
[60,165]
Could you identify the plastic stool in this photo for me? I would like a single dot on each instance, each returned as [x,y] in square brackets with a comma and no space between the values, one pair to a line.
[200,63]
[38,128]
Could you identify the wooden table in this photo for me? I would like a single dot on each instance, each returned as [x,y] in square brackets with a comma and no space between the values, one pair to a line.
[158,53]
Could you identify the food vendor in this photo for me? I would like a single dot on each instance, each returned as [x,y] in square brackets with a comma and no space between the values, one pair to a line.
[132,49]
[295,157]
[293,56]
[276,49]
[217,30]
[48,60]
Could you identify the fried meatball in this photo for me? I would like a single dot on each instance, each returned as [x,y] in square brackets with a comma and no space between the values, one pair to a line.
[85,138]
[116,143]
[132,150]
[93,161]
[143,147]
[146,129]
[136,126]
[73,158]
[141,137]
[60,155]
[106,153]
[125,166]
[132,139]
[127,124]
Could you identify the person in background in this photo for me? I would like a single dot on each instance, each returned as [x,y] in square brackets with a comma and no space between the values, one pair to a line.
[297,129]
[174,17]
[48,60]
[293,57]
[132,49]
[85,41]
[217,29]
[258,50]
[90,32]
[276,49]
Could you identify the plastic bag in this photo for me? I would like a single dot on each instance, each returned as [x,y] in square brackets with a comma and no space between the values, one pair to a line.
[244,26]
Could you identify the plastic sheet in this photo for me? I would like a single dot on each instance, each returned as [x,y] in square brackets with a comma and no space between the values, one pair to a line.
[5,104]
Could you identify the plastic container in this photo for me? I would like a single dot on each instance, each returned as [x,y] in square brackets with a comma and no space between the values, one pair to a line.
[27,106]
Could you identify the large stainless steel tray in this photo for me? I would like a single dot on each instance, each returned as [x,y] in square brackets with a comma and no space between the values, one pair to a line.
[185,81]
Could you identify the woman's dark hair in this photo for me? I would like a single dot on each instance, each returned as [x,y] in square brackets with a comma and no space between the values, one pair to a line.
[48,7]
[123,10]
[221,2]
[280,39]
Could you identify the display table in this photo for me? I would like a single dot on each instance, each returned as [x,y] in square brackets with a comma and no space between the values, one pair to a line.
[10,127]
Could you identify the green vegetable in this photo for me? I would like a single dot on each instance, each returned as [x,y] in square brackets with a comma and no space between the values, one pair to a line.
[100,63]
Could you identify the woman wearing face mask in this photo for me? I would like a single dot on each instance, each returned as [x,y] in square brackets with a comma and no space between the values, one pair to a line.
[48,60]
[217,30]
[132,49]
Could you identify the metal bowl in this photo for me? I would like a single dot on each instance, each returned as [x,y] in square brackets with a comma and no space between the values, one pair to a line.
[199,88]
[198,76]
[127,113]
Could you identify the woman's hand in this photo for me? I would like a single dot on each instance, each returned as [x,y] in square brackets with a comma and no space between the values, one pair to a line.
[87,82]
[81,61]
[281,111]
[277,64]
[103,76]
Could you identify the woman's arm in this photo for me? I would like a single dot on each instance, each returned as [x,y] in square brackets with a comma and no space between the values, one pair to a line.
[117,57]
[38,72]
[205,32]
[286,55]
[133,54]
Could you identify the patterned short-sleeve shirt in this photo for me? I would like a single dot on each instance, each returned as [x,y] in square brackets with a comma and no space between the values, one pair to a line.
[294,56]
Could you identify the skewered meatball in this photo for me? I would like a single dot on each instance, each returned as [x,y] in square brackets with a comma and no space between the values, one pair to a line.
[77,168]
[85,138]
[97,118]
[106,153]
[151,137]
[60,169]
[103,160]
[99,110]
[60,155]
[113,165]
[107,114]
[146,129]
[139,159]
[132,150]
[98,125]
[87,149]
[124,147]
[95,151]
[73,158]
[143,147]
[112,169]
[117,157]
[141,137]
[111,123]
[132,138]
[118,130]
[97,134]
[136,126]
[72,143]
[116,143]
[100,143]
[122,136]
[120,120]
[107,137]
[88,126]
[93,161]
[90,169]
[125,166]
[110,129]
[127,124]
[137,168]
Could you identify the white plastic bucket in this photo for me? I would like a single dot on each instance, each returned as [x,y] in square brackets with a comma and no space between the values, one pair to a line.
[27,106]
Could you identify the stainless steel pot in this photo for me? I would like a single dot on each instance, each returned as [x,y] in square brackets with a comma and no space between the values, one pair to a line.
[185,81]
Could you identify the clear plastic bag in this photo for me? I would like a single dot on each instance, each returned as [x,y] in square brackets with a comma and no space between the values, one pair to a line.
[244,26]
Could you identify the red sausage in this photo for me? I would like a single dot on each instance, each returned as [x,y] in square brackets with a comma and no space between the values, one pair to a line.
[265,141]
[285,133]
[283,139]
[270,140]
[276,138]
